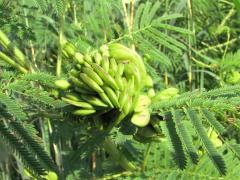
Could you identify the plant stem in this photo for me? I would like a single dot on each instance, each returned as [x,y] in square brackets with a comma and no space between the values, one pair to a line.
[59,58]
[120,117]
[117,156]
[146,155]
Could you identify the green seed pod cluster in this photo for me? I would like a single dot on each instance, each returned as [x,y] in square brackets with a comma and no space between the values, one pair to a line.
[233,77]
[18,60]
[112,77]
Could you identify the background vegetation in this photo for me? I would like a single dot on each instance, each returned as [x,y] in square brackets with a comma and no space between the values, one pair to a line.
[192,46]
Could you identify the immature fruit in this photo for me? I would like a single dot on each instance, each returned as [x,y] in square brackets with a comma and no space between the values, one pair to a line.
[4,39]
[142,103]
[86,64]
[141,119]
[151,93]
[166,94]
[131,86]
[131,70]
[94,101]
[106,99]
[105,64]
[120,69]
[123,98]
[98,58]
[119,81]
[62,84]
[78,103]
[105,76]
[148,81]
[74,72]
[79,58]
[127,106]
[81,85]
[113,65]
[90,82]
[112,96]
[69,48]
[84,112]
[122,53]
[233,77]
[10,61]
[104,50]
[73,96]
[20,57]
[87,58]
[93,75]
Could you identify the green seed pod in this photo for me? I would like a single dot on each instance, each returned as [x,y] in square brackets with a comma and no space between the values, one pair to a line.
[123,98]
[113,65]
[98,58]
[128,105]
[79,58]
[73,96]
[111,95]
[4,39]
[148,81]
[93,75]
[141,119]
[70,49]
[10,61]
[84,112]
[119,81]
[131,86]
[142,103]
[122,53]
[87,64]
[78,103]
[166,94]
[78,66]
[111,73]
[87,58]
[105,98]
[104,50]
[62,84]
[79,83]
[151,93]
[65,54]
[105,76]
[132,70]
[120,69]
[233,77]
[90,82]
[94,101]
[20,57]
[105,64]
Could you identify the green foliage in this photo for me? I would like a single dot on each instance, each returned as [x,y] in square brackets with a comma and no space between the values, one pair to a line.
[27,157]
[12,107]
[189,45]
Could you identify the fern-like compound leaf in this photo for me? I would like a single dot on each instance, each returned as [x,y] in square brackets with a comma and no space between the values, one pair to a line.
[176,142]
[21,150]
[209,116]
[12,107]
[184,135]
[41,77]
[33,145]
[216,158]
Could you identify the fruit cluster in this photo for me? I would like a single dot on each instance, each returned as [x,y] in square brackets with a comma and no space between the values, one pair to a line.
[113,77]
